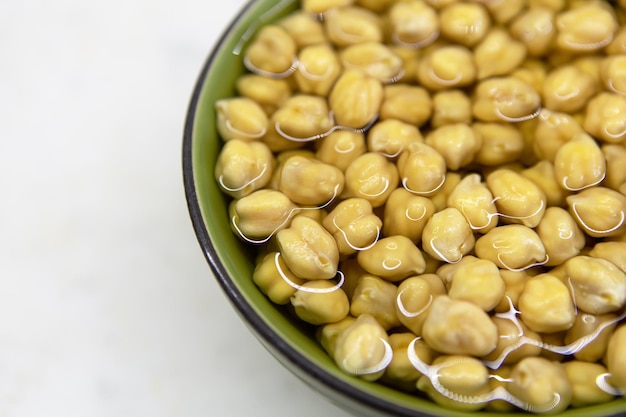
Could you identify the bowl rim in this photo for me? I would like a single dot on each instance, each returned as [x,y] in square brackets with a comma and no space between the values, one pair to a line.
[267,336]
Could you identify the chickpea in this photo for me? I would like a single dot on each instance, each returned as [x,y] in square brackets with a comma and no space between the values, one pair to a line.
[518,199]
[498,381]
[613,73]
[618,45]
[271,53]
[320,308]
[535,28]
[458,327]
[422,168]
[546,305]
[406,103]
[456,382]
[506,99]
[377,6]
[605,117]
[392,258]
[567,89]
[586,28]
[532,71]
[447,236]
[371,176]
[390,137]
[616,359]
[598,286]
[465,23]
[511,347]
[498,54]
[553,130]
[318,69]
[355,99]
[542,174]
[440,196]
[457,143]
[303,27]
[514,282]
[309,251]
[261,214]
[500,143]
[377,297]
[410,58]
[542,385]
[243,167]
[447,67]
[600,327]
[309,181]
[351,25]
[375,59]
[302,117]
[401,372]
[413,23]
[503,11]
[340,148]
[447,270]
[513,247]
[474,200]
[560,235]
[327,334]
[270,281]
[241,118]
[352,272]
[414,297]
[269,93]
[353,225]
[479,283]
[552,5]
[599,211]
[582,377]
[322,6]
[615,156]
[450,106]
[363,349]
[406,214]
[614,252]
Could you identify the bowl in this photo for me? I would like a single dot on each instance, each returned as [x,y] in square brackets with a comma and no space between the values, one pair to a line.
[290,341]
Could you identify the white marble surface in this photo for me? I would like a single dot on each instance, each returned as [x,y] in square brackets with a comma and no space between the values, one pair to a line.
[107,307]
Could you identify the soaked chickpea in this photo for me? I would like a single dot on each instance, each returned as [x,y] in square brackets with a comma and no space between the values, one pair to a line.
[437,188]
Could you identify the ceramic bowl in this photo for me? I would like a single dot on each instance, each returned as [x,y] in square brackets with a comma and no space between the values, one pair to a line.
[289,340]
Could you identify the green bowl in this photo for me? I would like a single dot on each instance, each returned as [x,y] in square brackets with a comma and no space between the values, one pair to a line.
[290,341]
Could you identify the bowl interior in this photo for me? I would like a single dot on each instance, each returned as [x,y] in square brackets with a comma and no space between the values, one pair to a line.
[288,339]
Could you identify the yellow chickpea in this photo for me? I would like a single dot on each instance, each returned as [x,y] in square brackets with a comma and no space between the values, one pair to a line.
[355,99]
[406,103]
[243,167]
[371,176]
[552,130]
[318,69]
[580,163]
[560,235]
[502,11]
[391,136]
[309,181]
[450,106]
[271,281]
[457,143]
[340,148]
[413,24]
[599,211]
[413,300]
[615,156]
[582,376]
[269,93]
[615,252]
[447,67]
[465,23]
[302,117]
[304,28]
[567,89]
[599,327]
[447,236]
[616,359]
[392,258]
[535,28]
[542,174]
[498,54]
[261,213]
[406,214]
[586,28]
[605,117]
[501,143]
[514,247]
[272,52]
[421,168]
[546,305]
[505,99]
[240,118]
[375,59]
[353,225]
[474,200]
[377,297]
[351,25]
[479,283]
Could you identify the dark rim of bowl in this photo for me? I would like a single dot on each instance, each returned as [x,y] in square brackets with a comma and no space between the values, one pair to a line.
[245,309]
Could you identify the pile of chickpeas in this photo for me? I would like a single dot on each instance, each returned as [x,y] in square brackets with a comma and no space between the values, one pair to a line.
[439,187]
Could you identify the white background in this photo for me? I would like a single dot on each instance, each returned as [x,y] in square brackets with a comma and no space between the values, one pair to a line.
[107,306]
